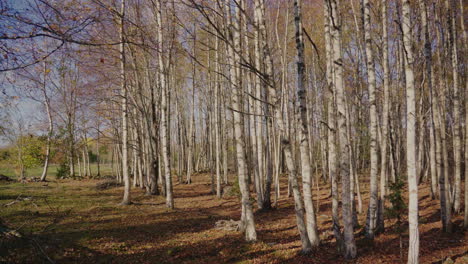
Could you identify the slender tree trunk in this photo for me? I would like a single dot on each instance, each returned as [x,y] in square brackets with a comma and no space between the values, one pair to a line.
[51,128]
[85,172]
[457,140]
[266,121]
[191,143]
[465,46]
[429,78]
[86,150]
[373,200]
[234,56]
[98,153]
[71,150]
[349,242]
[444,185]
[124,92]
[413,248]
[164,110]
[80,173]
[292,181]
[259,119]
[217,120]
[385,119]
[331,135]
[303,134]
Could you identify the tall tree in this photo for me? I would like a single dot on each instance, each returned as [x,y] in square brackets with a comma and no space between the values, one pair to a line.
[248,223]
[49,119]
[342,127]
[413,248]
[331,135]
[457,140]
[124,96]
[303,130]
[373,200]
[385,117]
[164,109]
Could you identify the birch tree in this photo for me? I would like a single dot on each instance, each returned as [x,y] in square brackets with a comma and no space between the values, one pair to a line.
[457,141]
[331,135]
[236,82]
[373,200]
[303,130]
[413,248]
[344,146]
[164,110]
[124,95]
[385,117]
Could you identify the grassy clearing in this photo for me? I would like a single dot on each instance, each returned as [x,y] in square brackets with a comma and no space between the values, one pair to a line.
[11,172]
[73,222]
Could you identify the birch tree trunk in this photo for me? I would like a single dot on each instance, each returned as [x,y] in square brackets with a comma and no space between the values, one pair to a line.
[217,120]
[331,135]
[257,120]
[385,117]
[302,131]
[80,173]
[268,62]
[457,140]
[285,142]
[51,127]
[429,78]
[344,166]
[191,143]
[413,247]
[465,46]
[373,200]
[98,152]
[258,104]
[292,172]
[164,111]
[465,222]
[124,94]
[439,100]
[248,219]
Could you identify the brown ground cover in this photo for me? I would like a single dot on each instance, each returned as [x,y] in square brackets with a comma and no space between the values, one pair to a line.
[73,222]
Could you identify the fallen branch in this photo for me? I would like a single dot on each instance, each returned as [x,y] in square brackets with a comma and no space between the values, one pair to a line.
[20,199]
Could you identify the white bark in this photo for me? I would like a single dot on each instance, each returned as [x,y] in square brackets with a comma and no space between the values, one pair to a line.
[164,112]
[385,116]
[124,94]
[344,166]
[331,135]
[465,46]
[457,141]
[51,126]
[373,200]
[248,219]
[429,78]
[444,186]
[413,247]
[306,169]
[217,120]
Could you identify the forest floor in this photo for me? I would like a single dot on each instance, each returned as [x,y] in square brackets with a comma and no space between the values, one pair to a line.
[68,221]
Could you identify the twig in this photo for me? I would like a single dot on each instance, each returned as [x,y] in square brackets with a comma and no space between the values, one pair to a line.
[42,251]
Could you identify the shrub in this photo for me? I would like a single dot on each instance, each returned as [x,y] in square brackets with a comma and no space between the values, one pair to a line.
[63,171]
[398,209]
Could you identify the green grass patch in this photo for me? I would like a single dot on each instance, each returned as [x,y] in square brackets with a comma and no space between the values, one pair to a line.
[10,171]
